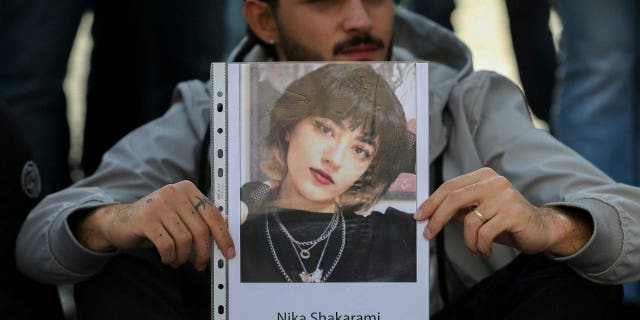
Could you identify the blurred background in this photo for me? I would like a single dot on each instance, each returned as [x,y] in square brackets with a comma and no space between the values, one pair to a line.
[126,57]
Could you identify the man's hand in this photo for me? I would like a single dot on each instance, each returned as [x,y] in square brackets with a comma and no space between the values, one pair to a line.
[493,210]
[174,219]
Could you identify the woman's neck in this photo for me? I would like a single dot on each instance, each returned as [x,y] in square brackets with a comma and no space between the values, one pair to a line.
[290,198]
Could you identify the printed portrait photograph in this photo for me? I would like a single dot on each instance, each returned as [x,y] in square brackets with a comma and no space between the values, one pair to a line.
[328,184]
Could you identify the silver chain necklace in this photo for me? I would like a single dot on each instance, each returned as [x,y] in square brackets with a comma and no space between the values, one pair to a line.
[316,275]
[304,247]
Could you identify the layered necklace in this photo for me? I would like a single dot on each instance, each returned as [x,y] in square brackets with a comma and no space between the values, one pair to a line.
[302,249]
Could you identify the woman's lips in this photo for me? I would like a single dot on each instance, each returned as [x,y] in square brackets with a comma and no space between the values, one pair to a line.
[321,176]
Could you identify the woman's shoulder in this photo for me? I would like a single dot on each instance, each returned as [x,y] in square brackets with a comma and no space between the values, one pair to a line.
[393,217]
[391,213]
[393,229]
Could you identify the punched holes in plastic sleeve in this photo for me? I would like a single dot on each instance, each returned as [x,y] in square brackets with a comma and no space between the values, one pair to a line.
[220,286]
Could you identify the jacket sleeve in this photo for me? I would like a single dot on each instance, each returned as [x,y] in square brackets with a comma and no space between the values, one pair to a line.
[164,151]
[549,173]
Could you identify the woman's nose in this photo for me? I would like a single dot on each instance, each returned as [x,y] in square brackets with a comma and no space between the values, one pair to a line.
[334,155]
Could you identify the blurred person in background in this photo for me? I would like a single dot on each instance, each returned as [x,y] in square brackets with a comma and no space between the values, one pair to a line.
[531,39]
[597,106]
[139,45]
[37,37]
[20,187]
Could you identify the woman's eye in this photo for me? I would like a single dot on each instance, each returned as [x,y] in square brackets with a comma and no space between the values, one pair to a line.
[362,153]
[325,130]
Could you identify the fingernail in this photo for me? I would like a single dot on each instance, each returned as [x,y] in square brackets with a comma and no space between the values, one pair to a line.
[418,214]
[231,252]
[427,233]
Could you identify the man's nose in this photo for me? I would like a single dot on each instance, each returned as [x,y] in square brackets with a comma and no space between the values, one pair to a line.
[357,19]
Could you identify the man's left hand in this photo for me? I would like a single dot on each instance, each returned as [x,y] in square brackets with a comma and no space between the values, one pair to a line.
[493,210]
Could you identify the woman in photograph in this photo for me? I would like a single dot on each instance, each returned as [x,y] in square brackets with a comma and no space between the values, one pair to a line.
[337,140]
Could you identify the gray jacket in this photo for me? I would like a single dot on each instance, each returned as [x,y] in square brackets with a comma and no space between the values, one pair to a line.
[476,119]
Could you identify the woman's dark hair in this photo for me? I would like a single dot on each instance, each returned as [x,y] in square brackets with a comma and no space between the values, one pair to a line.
[353,92]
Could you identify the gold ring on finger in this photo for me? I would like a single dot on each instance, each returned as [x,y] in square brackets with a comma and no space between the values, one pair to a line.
[479,215]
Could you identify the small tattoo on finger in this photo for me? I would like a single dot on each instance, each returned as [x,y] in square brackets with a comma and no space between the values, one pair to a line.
[202,201]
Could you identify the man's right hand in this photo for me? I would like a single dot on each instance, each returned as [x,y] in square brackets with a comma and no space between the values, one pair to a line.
[174,219]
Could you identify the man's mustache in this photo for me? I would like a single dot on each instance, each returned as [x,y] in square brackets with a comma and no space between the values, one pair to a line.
[366,39]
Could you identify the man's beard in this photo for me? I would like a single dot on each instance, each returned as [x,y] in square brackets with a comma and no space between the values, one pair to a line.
[296,51]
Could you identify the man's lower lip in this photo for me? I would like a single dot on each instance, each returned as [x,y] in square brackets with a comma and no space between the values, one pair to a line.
[359,54]
[320,178]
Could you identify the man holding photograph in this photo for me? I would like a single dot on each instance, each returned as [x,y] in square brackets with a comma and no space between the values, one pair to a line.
[504,181]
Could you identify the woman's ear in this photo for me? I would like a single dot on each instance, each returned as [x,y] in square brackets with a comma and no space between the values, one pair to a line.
[261,20]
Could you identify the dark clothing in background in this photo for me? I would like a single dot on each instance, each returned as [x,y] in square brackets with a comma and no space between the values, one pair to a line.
[144,48]
[138,286]
[534,287]
[534,51]
[36,38]
[532,45]
[144,51]
[436,10]
[20,298]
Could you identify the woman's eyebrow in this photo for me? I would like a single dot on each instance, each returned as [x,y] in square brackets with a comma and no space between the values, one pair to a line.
[367,139]
[329,122]
[362,137]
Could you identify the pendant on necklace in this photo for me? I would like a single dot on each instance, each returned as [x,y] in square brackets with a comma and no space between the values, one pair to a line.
[305,253]
[316,276]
